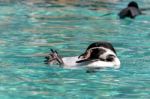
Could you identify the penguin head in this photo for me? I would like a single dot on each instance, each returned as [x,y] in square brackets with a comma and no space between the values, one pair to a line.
[133,4]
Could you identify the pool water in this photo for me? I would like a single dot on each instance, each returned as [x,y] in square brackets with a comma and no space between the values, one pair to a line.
[29,29]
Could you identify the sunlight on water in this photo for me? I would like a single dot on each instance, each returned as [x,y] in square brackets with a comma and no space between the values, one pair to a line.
[28,29]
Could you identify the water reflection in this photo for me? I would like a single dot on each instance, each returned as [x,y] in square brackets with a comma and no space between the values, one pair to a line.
[91,4]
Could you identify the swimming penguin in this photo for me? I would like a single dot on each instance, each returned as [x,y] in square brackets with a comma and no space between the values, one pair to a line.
[131,11]
[97,55]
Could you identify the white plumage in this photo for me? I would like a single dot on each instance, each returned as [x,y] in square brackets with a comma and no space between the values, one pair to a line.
[70,62]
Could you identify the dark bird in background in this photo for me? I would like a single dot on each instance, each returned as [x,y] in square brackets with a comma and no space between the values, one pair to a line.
[131,11]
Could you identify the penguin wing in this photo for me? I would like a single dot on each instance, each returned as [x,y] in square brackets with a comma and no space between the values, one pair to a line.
[131,12]
[87,60]
[123,13]
[134,11]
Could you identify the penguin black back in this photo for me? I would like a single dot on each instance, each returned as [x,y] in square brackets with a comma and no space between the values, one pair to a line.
[96,52]
[102,44]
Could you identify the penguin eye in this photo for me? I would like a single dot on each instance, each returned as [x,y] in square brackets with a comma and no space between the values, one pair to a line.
[110,58]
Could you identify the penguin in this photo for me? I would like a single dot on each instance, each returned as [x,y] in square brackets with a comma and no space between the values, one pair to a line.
[131,11]
[97,55]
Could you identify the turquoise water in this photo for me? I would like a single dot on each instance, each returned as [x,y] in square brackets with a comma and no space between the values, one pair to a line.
[28,30]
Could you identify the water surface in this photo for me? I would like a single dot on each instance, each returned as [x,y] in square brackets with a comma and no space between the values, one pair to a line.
[29,29]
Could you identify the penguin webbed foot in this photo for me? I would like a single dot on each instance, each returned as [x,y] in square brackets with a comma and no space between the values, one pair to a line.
[53,57]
